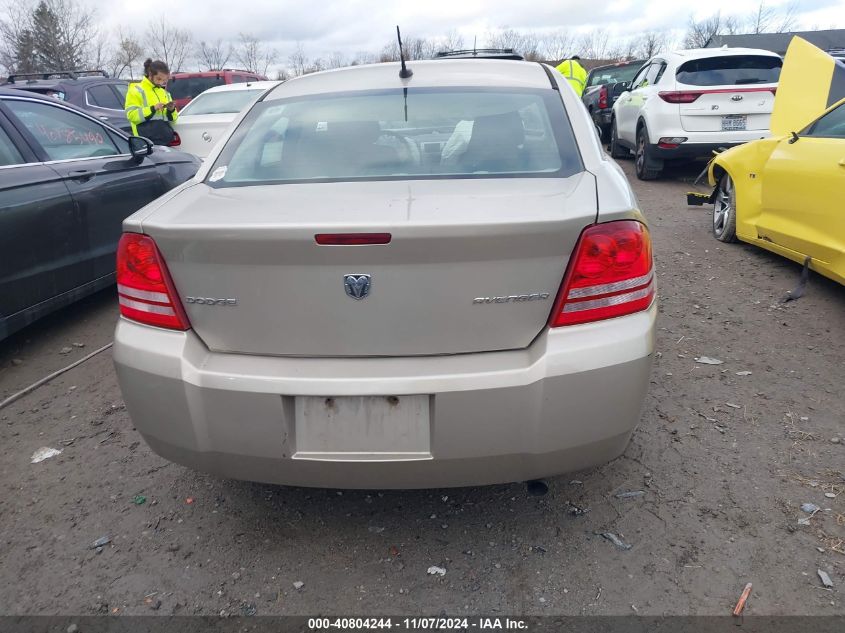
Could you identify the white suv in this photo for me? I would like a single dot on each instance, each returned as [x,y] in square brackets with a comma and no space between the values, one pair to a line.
[684,105]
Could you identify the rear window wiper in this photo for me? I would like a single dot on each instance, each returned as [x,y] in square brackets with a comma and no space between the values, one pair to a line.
[751,81]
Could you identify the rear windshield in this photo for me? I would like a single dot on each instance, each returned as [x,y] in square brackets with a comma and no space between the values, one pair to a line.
[221,102]
[428,133]
[734,70]
[614,75]
[190,87]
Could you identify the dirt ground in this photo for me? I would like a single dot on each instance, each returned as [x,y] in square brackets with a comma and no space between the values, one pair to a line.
[725,460]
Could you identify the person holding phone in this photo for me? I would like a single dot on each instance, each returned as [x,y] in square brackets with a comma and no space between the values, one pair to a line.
[149,107]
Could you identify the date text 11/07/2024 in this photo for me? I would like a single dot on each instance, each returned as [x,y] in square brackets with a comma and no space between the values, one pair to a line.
[419,624]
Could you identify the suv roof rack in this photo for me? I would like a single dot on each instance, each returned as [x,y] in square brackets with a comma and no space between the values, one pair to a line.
[481,53]
[58,74]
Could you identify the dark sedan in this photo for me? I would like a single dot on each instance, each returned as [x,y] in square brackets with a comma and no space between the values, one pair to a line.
[67,181]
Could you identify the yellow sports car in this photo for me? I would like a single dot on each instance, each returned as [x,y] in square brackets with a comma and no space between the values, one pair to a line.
[787,193]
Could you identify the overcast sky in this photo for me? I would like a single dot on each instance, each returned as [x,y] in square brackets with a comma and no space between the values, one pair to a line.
[367,25]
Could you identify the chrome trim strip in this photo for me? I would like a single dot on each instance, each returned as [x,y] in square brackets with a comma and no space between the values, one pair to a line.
[618,286]
[146,307]
[608,302]
[158,297]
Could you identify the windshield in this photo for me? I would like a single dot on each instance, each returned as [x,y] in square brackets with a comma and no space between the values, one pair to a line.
[614,75]
[190,87]
[731,70]
[434,132]
[221,102]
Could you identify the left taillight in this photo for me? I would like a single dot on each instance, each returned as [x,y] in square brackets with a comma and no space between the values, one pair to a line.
[603,98]
[145,290]
[177,141]
[610,275]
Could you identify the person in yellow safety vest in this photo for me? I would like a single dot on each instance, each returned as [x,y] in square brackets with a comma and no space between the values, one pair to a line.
[574,73]
[149,107]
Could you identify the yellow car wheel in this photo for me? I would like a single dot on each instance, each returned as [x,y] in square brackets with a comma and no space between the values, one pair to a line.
[724,210]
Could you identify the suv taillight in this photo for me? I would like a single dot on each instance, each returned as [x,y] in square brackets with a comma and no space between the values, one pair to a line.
[603,98]
[145,291]
[610,274]
[177,141]
[679,97]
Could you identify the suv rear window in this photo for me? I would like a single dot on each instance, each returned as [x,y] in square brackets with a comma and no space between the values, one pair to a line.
[190,87]
[733,70]
[383,135]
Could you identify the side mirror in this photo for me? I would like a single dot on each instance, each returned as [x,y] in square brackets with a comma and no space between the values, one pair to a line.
[139,147]
[619,88]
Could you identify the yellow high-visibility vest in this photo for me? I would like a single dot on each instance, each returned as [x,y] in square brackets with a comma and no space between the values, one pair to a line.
[575,75]
[141,99]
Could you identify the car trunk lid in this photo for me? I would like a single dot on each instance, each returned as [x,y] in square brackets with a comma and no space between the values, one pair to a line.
[472,264]
[200,132]
[727,109]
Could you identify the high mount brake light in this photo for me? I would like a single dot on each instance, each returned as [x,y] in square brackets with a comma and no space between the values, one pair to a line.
[145,291]
[352,239]
[610,274]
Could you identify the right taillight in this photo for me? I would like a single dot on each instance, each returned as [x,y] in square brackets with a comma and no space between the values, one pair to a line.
[610,274]
[145,291]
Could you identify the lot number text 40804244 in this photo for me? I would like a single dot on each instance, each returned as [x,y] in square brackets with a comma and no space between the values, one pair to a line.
[419,624]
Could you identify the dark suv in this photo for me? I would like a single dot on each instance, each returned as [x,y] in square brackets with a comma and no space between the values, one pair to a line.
[185,86]
[92,90]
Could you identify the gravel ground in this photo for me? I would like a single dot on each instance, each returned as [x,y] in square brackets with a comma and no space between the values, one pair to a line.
[724,459]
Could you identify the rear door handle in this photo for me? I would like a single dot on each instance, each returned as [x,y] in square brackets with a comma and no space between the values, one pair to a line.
[81,175]
[842,163]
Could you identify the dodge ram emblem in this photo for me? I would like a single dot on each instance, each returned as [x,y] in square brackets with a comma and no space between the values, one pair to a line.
[357,286]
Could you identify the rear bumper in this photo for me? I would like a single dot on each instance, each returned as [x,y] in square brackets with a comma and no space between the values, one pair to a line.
[699,144]
[690,151]
[569,401]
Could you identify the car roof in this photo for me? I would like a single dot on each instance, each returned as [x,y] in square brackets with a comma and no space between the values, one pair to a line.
[706,53]
[426,74]
[248,85]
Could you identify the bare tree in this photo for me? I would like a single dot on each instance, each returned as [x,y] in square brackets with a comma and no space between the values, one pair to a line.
[17,45]
[526,44]
[788,20]
[762,19]
[336,60]
[298,61]
[452,41]
[168,43]
[213,55]
[595,44]
[49,35]
[127,55]
[650,44]
[700,33]
[558,45]
[254,55]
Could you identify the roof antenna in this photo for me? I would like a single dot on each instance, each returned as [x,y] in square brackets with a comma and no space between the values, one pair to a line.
[405,72]
[475,46]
